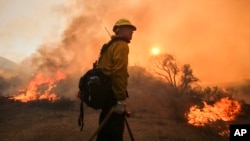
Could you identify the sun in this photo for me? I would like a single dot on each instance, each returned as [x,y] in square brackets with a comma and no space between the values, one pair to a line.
[155,51]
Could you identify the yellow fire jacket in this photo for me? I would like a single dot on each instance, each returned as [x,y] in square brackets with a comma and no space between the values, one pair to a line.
[114,62]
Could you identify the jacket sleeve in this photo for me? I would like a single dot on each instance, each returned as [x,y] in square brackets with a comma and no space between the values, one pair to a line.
[119,74]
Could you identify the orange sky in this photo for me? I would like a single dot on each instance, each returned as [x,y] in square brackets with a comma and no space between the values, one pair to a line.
[212,36]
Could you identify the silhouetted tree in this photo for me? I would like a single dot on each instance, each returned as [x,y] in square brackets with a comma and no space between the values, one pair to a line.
[166,67]
[187,78]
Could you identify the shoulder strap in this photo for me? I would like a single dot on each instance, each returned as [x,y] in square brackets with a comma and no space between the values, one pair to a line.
[81,116]
[113,39]
[106,46]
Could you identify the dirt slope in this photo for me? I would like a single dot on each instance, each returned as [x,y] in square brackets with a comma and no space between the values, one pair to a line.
[43,120]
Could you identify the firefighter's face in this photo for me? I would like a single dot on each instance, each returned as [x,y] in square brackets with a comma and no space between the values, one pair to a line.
[126,32]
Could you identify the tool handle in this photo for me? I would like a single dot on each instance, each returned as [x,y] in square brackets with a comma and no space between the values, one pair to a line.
[102,124]
[129,129]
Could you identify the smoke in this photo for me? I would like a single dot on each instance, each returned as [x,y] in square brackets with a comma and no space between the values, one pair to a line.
[211,36]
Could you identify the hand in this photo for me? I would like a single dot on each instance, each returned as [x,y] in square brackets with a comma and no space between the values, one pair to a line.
[120,107]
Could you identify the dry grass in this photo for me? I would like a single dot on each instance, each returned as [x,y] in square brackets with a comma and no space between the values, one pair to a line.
[42,120]
[157,115]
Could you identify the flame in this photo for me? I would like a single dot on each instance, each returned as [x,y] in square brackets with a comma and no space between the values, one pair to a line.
[34,90]
[225,110]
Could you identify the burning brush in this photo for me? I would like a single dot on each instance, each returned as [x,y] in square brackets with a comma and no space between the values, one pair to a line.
[223,110]
[40,88]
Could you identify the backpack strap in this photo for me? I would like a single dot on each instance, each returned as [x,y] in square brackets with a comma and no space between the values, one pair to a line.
[107,45]
[113,39]
[81,116]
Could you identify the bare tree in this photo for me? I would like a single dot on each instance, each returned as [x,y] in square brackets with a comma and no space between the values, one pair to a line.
[187,78]
[166,67]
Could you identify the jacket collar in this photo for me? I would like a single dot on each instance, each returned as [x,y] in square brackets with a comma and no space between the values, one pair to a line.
[116,38]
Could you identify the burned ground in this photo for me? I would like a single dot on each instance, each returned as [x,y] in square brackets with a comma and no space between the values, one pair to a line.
[41,120]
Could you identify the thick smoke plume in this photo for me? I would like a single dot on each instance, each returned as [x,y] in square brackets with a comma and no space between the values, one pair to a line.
[206,34]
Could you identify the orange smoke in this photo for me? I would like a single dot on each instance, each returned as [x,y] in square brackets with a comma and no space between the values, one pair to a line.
[40,88]
[225,110]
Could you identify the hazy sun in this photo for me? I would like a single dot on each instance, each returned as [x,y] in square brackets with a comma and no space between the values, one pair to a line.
[155,51]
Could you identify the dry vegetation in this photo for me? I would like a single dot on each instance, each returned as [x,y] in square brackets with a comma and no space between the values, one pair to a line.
[157,115]
[41,120]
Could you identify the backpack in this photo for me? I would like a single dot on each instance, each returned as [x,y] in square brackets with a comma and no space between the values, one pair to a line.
[93,85]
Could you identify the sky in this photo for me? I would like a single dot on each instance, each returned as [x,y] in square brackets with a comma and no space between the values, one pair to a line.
[212,36]
[25,24]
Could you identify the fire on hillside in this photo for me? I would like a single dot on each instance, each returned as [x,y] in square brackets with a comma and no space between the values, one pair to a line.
[40,88]
[225,110]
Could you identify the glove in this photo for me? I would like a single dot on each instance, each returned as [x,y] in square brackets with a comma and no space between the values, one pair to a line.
[120,107]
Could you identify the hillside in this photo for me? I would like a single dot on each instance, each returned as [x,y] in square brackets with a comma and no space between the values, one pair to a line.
[13,76]
[7,64]
[157,114]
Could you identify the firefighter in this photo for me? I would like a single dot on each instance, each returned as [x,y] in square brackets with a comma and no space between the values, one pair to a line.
[114,63]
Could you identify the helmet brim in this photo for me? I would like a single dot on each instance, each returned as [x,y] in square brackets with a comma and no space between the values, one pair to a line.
[131,26]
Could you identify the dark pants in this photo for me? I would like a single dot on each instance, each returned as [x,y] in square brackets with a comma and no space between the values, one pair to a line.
[114,127]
